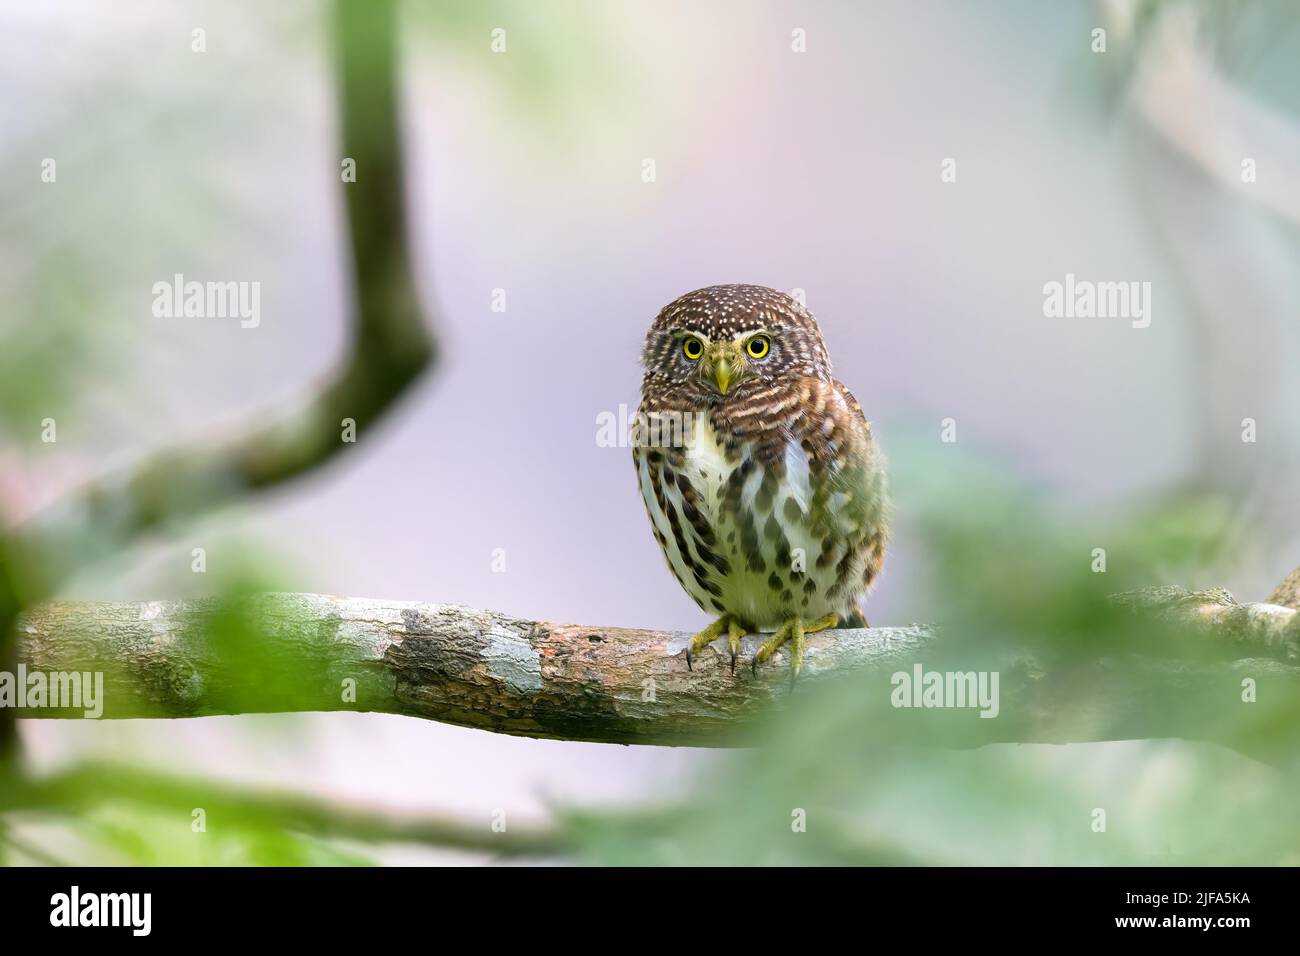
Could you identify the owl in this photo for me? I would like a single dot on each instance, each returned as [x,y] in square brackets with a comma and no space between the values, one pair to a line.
[764,487]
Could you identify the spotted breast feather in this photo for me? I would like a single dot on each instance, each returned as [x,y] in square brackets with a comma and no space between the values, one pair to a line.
[771,507]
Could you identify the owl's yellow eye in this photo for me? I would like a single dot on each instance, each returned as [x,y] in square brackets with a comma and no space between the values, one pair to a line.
[692,348]
[758,346]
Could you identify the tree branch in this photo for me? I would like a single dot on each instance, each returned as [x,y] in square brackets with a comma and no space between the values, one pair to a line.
[391,346]
[1287,594]
[306,652]
[91,785]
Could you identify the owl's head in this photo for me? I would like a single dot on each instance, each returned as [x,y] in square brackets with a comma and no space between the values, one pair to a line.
[727,341]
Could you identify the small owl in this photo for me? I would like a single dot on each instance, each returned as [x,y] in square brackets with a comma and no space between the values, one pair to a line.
[763,485]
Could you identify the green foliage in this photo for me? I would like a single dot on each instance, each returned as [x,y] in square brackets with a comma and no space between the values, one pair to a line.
[841,775]
[137,837]
[877,783]
[42,360]
[554,54]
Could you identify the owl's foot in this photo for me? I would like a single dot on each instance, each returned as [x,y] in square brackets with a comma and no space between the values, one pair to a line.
[792,631]
[735,631]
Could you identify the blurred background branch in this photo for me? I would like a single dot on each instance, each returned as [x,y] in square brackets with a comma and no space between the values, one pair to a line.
[82,788]
[1215,161]
[391,346]
[1287,594]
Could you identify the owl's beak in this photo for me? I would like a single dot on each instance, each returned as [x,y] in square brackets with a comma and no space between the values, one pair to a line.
[722,374]
[724,365]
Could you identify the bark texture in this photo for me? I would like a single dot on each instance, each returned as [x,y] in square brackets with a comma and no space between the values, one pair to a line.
[309,652]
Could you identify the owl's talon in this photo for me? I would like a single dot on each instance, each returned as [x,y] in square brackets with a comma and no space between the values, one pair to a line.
[792,632]
[734,633]
[705,638]
[772,645]
[822,623]
[796,649]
